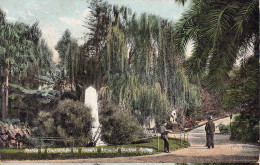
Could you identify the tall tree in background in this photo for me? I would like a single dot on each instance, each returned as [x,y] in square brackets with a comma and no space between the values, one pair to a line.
[24,58]
[68,50]
[141,69]
[97,24]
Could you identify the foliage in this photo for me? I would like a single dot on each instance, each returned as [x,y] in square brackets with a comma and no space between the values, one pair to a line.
[245,127]
[220,31]
[243,86]
[98,25]
[68,50]
[27,51]
[140,67]
[243,92]
[115,61]
[224,32]
[224,129]
[31,101]
[142,99]
[70,120]
[30,62]
[119,126]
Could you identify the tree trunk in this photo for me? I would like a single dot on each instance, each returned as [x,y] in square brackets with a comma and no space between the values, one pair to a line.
[6,95]
[3,101]
[4,92]
[97,83]
[70,68]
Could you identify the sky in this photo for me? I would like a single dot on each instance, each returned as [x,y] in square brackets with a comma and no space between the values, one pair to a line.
[55,16]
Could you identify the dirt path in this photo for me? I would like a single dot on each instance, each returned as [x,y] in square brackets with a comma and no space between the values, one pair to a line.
[225,151]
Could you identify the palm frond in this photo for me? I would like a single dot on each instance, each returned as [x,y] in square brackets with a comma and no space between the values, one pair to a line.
[185,28]
[220,19]
[221,63]
[196,64]
[247,11]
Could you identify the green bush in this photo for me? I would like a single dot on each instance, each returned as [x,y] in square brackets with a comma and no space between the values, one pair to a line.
[245,127]
[119,126]
[69,121]
[224,129]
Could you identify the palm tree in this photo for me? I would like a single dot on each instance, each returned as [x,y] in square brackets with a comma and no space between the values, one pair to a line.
[221,31]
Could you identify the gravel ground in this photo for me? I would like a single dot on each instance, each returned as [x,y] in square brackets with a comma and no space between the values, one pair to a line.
[225,151]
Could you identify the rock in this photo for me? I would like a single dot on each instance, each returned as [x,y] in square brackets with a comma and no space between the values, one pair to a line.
[4,137]
[13,135]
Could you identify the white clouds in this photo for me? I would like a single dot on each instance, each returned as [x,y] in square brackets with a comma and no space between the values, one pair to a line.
[29,13]
[11,19]
[76,27]
[50,35]
[24,17]
[77,12]
[5,10]
[71,21]
[8,18]
[167,2]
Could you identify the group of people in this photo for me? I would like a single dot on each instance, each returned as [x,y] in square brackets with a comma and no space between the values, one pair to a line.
[209,128]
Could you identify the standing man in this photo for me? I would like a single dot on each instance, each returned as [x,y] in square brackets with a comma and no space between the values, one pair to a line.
[207,134]
[210,131]
[164,136]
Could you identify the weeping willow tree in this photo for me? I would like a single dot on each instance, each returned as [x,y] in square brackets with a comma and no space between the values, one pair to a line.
[141,69]
[170,73]
[143,99]
[138,62]
[116,57]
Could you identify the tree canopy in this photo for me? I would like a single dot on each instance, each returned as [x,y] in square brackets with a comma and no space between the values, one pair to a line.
[220,30]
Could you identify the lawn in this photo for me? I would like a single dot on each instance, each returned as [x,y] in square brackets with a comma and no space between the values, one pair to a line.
[174,144]
[19,154]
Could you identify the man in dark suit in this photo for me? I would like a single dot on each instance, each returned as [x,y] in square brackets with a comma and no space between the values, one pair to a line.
[210,131]
[164,136]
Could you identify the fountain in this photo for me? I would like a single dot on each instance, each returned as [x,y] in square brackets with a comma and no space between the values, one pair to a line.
[91,102]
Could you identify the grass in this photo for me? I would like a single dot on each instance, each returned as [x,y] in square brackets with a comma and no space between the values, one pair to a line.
[18,154]
[174,144]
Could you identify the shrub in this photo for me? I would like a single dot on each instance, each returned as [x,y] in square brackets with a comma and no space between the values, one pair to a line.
[70,120]
[224,129]
[245,127]
[119,126]
[44,124]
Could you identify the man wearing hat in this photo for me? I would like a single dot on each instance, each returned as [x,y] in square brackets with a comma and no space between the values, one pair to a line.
[164,136]
[210,131]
